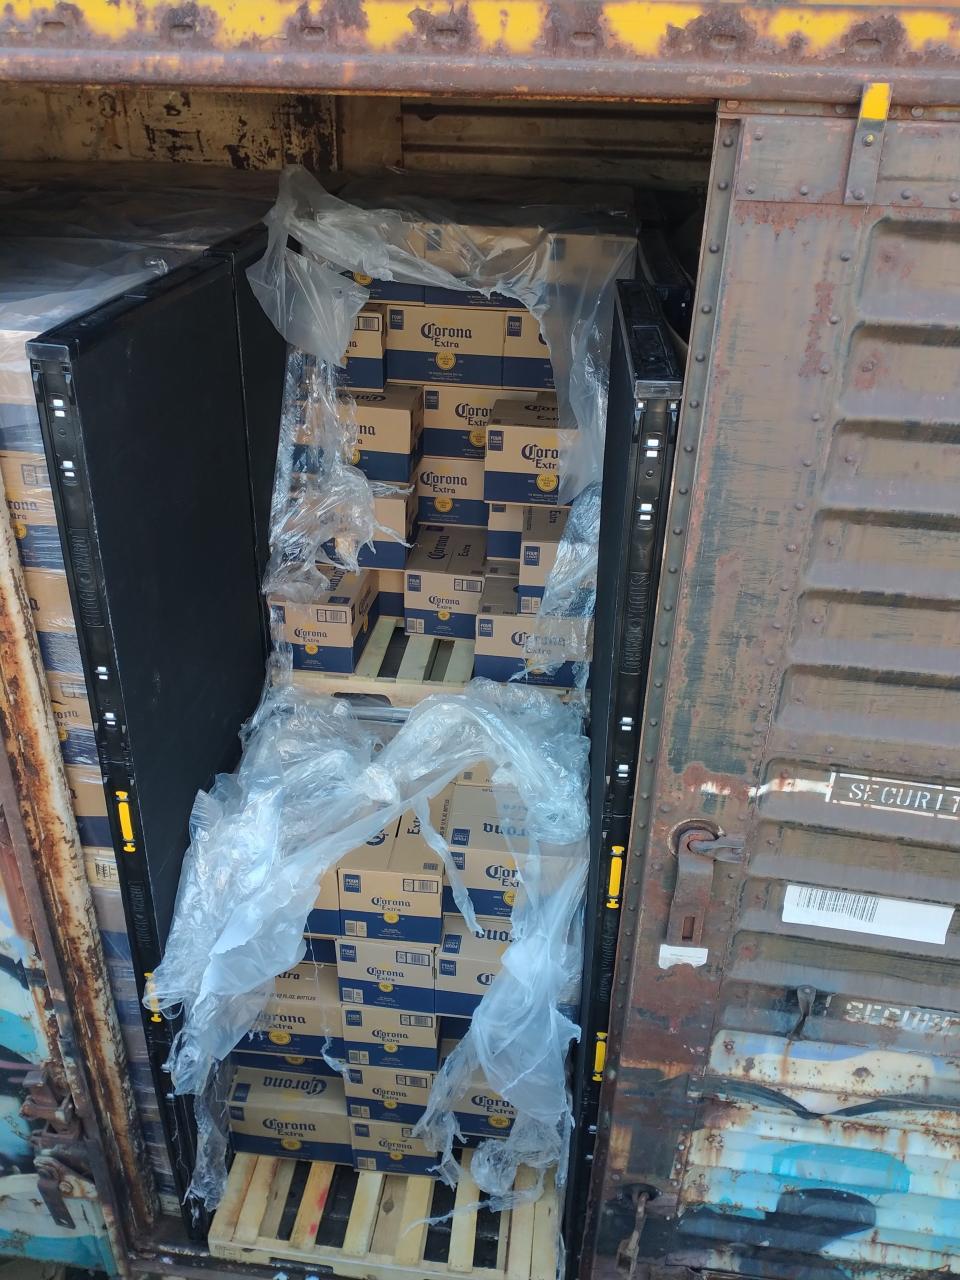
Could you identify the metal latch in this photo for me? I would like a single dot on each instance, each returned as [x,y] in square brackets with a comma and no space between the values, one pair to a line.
[698,848]
[864,167]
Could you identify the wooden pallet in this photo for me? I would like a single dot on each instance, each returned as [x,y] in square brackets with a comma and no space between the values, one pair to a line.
[362,1225]
[398,670]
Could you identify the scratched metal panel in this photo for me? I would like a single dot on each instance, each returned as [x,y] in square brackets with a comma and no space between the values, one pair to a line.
[784,1095]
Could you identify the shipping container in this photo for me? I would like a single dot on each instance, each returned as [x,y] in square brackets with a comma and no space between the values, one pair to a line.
[763,1084]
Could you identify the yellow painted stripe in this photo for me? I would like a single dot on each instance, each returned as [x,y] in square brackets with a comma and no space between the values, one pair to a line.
[875,103]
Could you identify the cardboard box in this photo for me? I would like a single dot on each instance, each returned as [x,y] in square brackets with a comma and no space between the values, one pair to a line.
[478,775]
[34,522]
[377,1037]
[330,633]
[390,889]
[482,845]
[391,1148]
[284,1113]
[387,1093]
[503,531]
[390,586]
[540,539]
[451,490]
[74,719]
[364,366]
[388,975]
[466,298]
[320,950]
[397,512]
[445,344]
[455,419]
[481,1112]
[303,1016]
[526,356]
[389,427]
[52,613]
[506,644]
[523,453]
[287,1062]
[89,800]
[324,919]
[443,582]
[467,963]
[23,464]
[387,290]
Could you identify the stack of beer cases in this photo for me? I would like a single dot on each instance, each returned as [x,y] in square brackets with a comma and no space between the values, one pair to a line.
[392,979]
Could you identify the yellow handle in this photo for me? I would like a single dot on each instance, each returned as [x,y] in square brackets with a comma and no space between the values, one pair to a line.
[600,1055]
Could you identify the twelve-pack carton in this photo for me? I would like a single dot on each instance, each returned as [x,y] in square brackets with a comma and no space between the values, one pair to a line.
[544,649]
[302,1017]
[523,453]
[455,419]
[364,366]
[451,490]
[389,975]
[274,1113]
[389,1147]
[377,1037]
[443,582]
[445,344]
[390,887]
[482,846]
[387,1093]
[467,963]
[389,429]
[330,633]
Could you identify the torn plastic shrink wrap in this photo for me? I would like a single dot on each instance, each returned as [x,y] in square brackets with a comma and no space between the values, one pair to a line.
[562,630]
[314,782]
[314,237]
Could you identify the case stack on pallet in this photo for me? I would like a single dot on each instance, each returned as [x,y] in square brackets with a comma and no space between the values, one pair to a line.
[450,393]
[342,1064]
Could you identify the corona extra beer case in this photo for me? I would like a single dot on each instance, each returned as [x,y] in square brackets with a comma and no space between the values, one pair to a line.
[390,591]
[390,887]
[545,649]
[526,356]
[331,632]
[275,1113]
[388,1147]
[389,975]
[482,844]
[455,419]
[389,427]
[467,963]
[504,521]
[480,1112]
[445,344]
[451,490]
[302,1017]
[377,1037]
[444,581]
[387,1093]
[523,453]
[364,364]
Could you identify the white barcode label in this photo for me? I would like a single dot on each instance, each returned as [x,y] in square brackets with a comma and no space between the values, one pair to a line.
[358,1112]
[358,1057]
[473,585]
[866,913]
[352,995]
[415,626]
[367,324]
[366,1162]
[356,928]
[412,1082]
[419,886]
[412,957]
[415,1020]
[331,615]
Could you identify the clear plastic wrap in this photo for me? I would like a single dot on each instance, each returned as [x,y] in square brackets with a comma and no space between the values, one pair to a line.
[561,631]
[545,257]
[316,781]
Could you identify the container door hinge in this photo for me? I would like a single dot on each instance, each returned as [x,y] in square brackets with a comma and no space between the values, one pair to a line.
[698,849]
[864,165]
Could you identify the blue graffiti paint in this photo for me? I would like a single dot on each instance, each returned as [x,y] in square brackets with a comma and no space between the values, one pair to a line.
[849,1170]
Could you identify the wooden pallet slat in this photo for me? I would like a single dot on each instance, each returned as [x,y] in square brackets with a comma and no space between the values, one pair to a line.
[363,1215]
[371,660]
[225,1220]
[278,1198]
[413,1226]
[256,1201]
[463,1227]
[520,1248]
[312,1204]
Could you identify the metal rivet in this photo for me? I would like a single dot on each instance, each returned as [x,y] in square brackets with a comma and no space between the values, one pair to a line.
[784,586]
[723,184]
[845,257]
[700,357]
[694,404]
[807,462]
[791,546]
[829,751]
[751,188]
[834,319]
[654,723]
[849,458]
[839,108]
[706,308]
[916,112]
[688,448]
[672,569]
[758,135]
[804,190]
[815,417]
[859,193]
[683,491]
[769,662]
[906,194]
[713,248]
[668,608]
[817,618]
[800,505]
[678,529]
[663,644]
[728,141]
[761,704]
[825,367]
[954,197]
[777,626]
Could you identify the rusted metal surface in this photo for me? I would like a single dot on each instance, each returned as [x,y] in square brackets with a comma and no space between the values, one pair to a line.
[783,1086]
[36,805]
[613,48]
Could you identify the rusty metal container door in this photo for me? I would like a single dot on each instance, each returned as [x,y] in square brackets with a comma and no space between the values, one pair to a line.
[782,1097]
